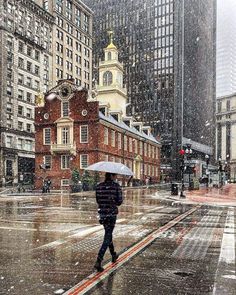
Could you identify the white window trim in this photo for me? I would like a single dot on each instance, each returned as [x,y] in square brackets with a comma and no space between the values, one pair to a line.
[106,135]
[44,157]
[81,133]
[63,180]
[44,130]
[119,141]
[82,167]
[62,162]
[113,138]
[62,108]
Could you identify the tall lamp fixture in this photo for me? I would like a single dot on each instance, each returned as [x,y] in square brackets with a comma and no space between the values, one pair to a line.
[207,171]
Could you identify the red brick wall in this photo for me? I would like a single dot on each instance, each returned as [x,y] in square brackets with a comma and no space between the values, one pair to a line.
[95,148]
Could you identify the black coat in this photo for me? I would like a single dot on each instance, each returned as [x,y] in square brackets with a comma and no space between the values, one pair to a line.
[109,197]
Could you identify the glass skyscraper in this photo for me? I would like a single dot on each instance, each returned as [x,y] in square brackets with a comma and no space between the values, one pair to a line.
[168,50]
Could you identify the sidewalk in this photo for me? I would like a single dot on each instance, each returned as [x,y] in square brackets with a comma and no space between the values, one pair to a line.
[225,196]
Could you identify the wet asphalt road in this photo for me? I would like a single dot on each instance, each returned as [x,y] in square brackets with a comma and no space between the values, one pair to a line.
[49,243]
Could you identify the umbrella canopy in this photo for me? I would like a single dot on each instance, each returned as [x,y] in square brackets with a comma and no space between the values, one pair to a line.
[112,167]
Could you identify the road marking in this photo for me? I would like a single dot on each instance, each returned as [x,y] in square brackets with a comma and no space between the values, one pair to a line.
[227,256]
[92,280]
[81,233]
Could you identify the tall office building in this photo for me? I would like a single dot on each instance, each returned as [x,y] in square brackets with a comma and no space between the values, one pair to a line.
[226,44]
[41,42]
[226,85]
[25,65]
[168,50]
[71,40]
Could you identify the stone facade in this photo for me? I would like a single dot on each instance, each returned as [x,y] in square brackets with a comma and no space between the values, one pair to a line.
[25,63]
[226,133]
[71,41]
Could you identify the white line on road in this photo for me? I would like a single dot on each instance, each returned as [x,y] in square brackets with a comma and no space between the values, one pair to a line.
[227,256]
[81,233]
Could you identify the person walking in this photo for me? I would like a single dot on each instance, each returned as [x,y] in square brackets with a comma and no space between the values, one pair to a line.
[109,197]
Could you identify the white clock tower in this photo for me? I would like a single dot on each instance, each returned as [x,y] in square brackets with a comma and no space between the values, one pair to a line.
[110,88]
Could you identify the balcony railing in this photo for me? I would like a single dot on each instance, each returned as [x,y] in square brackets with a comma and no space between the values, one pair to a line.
[61,148]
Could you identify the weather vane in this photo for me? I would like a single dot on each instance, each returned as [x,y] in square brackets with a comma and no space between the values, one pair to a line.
[110,33]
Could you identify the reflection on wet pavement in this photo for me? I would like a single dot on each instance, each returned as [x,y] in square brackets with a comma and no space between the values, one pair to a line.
[51,242]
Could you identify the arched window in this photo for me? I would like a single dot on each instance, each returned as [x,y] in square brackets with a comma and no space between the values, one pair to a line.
[109,55]
[107,78]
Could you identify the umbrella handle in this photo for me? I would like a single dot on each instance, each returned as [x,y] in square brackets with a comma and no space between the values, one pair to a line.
[129,180]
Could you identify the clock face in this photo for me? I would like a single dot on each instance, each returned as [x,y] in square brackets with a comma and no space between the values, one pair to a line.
[65,91]
[46,116]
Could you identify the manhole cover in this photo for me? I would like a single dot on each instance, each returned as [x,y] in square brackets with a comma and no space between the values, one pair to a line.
[183,274]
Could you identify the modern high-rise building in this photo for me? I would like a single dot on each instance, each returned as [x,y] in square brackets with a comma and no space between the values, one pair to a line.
[168,51]
[226,44]
[71,40]
[25,65]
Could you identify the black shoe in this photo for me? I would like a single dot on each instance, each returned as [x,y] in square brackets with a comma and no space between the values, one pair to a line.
[98,266]
[114,257]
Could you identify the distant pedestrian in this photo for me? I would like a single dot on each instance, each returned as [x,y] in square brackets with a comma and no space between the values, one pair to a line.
[48,185]
[109,197]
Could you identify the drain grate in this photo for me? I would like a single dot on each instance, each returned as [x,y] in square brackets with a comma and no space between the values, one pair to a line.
[183,274]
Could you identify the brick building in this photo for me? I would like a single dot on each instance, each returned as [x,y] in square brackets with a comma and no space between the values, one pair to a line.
[74,130]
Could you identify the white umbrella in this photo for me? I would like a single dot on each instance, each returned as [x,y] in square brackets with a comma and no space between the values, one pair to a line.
[111,167]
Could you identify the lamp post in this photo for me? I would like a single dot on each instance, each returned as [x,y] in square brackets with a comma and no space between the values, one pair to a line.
[207,172]
[188,153]
[182,152]
[220,172]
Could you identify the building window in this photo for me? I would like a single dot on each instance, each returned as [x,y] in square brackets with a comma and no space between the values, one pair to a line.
[20,111]
[20,143]
[28,145]
[20,79]
[135,146]
[9,168]
[65,109]
[29,82]
[47,136]
[106,136]
[47,160]
[130,145]
[109,55]
[9,141]
[28,113]
[83,161]
[29,97]
[141,147]
[21,46]
[228,105]
[29,66]
[107,78]
[65,135]
[113,138]
[125,143]
[65,162]
[36,70]
[119,141]
[65,182]
[84,134]
[20,125]
[28,127]
[145,149]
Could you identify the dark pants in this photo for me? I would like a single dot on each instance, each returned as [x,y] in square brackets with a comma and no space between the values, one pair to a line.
[109,225]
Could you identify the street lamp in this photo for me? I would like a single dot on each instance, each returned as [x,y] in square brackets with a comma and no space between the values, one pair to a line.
[188,153]
[182,152]
[207,172]
[220,172]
